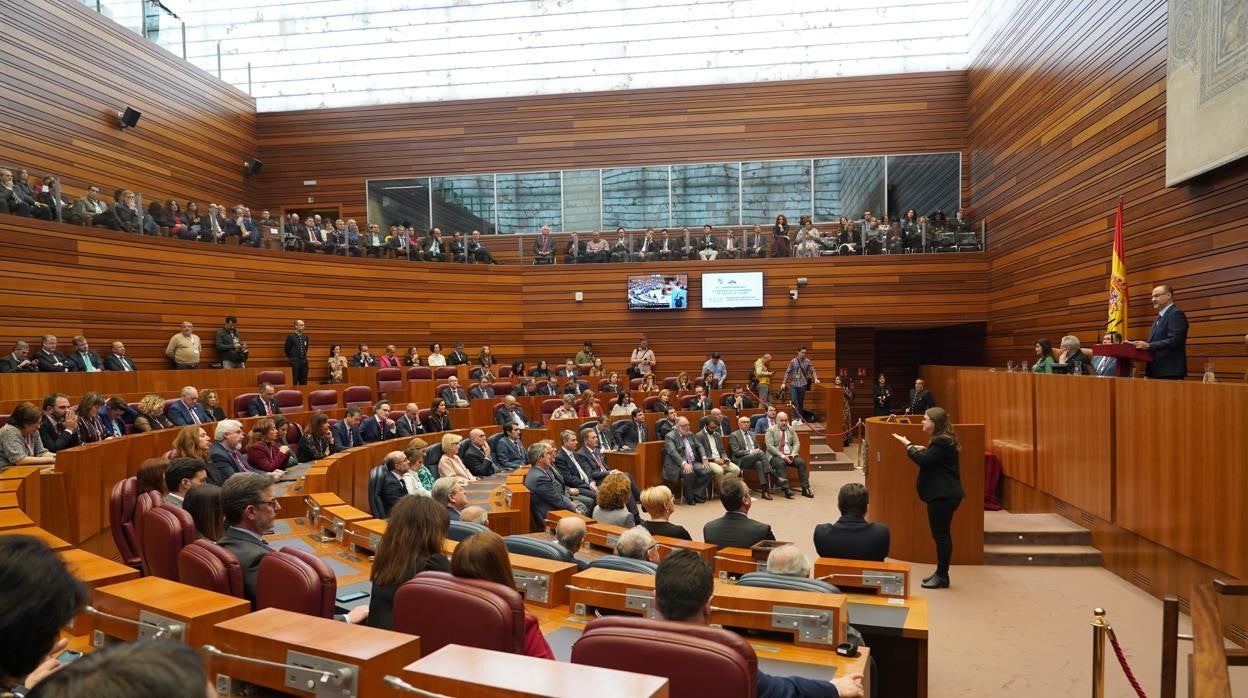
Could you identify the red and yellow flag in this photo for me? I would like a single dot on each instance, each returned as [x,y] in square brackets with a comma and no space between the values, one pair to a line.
[1118,282]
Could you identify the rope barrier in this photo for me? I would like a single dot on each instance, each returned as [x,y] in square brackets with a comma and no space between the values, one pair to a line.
[1122,660]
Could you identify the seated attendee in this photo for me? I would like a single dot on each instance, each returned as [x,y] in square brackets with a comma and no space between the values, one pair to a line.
[735,529]
[634,432]
[264,404]
[649,384]
[767,421]
[19,361]
[378,427]
[542,370]
[624,405]
[449,493]
[49,359]
[567,410]
[682,593]
[614,385]
[1072,356]
[738,400]
[683,384]
[211,403]
[419,478]
[782,446]
[251,508]
[434,247]
[187,410]
[700,402]
[477,251]
[637,544]
[117,359]
[112,416]
[436,357]
[1103,365]
[711,439]
[549,387]
[411,544]
[574,253]
[788,560]
[684,460]
[226,454]
[181,475]
[484,556]
[526,387]
[13,199]
[510,453]
[606,437]
[144,669]
[744,451]
[363,358]
[346,432]
[597,248]
[58,429]
[374,242]
[660,505]
[19,438]
[481,391]
[620,250]
[317,442]
[193,442]
[547,493]
[510,412]
[412,358]
[716,416]
[40,596]
[707,247]
[613,497]
[83,358]
[570,535]
[203,503]
[267,449]
[477,515]
[393,487]
[664,426]
[450,464]
[475,454]
[664,403]
[438,418]
[389,358]
[86,208]
[409,424]
[518,370]
[151,476]
[90,428]
[337,364]
[588,406]
[578,481]
[1044,356]
[454,395]
[852,537]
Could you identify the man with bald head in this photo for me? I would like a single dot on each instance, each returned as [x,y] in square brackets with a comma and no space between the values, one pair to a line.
[782,446]
[684,460]
[475,514]
[1167,339]
[570,534]
[117,359]
[187,410]
[510,412]
[474,451]
[392,487]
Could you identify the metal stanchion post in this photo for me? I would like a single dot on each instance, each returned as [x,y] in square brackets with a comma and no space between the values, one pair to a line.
[1099,630]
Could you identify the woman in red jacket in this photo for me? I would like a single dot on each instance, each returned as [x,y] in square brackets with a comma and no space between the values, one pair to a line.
[484,556]
[265,449]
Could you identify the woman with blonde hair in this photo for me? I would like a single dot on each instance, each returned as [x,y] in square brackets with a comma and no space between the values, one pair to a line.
[683,384]
[212,405]
[151,414]
[660,505]
[939,485]
[613,496]
[450,464]
[484,556]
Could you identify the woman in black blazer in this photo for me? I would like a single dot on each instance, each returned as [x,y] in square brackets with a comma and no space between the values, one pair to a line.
[411,544]
[940,485]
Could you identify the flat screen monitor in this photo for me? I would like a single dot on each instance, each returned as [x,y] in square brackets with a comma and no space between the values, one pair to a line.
[658,291]
[737,289]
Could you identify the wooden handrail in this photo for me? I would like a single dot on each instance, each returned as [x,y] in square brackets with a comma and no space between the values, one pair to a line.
[1207,675]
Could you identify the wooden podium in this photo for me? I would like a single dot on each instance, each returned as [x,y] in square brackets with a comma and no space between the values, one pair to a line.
[1125,354]
[891,477]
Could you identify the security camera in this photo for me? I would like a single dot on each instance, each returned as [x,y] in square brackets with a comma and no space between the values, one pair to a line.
[793,294]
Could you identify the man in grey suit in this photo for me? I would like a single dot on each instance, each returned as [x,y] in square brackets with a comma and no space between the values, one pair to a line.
[409,424]
[509,453]
[782,446]
[746,454]
[250,511]
[548,493]
[684,460]
[735,529]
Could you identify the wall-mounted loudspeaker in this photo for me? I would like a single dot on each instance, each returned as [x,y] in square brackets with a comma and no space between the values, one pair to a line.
[129,118]
[253,166]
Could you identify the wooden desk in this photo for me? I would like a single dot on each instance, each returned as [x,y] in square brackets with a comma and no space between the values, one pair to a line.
[333,520]
[891,579]
[468,672]
[197,609]
[645,465]
[364,535]
[314,503]
[814,618]
[731,563]
[14,518]
[273,634]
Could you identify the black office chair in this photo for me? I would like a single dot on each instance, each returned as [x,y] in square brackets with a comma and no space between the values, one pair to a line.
[376,477]
[461,530]
[433,454]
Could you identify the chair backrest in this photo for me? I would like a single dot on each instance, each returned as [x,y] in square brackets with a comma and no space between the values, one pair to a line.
[419,373]
[289,400]
[142,504]
[443,609]
[767,580]
[166,530]
[625,564]
[535,547]
[549,406]
[441,372]
[493,440]
[461,530]
[634,383]
[121,519]
[433,454]
[587,425]
[376,479]
[504,372]
[618,428]
[755,420]
[324,400]
[697,660]
[669,382]
[294,433]
[295,581]
[389,380]
[358,396]
[240,404]
[206,565]
[502,387]
[648,403]
[437,389]
[274,376]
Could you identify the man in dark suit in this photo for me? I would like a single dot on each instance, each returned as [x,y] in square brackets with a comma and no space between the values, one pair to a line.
[594,464]
[634,431]
[83,359]
[766,422]
[481,391]
[475,453]
[250,511]
[664,426]
[59,427]
[572,474]
[684,460]
[392,487]
[453,394]
[449,492]
[735,529]
[737,400]
[716,416]
[263,404]
[457,357]
[852,537]
[1167,338]
[378,427]
[525,388]
[118,361]
[744,451]
[570,534]
[921,399]
[606,437]
[683,586]
[549,388]
[510,412]
[700,402]
[544,247]
[363,358]
[509,454]
[547,493]
[50,360]
[113,416]
[187,410]
[225,455]
[296,350]
[19,361]
[409,424]
[346,432]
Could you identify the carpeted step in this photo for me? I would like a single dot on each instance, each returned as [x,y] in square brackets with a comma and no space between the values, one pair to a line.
[1006,528]
[1044,555]
[823,457]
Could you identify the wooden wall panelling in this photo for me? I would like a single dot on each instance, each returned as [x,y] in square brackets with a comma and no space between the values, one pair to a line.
[943,382]
[1181,471]
[340,148]
[1067,114]
[66,71]
[855,349]
[1003,403]
[1074,440]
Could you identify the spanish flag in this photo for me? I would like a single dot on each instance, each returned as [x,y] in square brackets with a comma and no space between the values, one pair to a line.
[1118,282]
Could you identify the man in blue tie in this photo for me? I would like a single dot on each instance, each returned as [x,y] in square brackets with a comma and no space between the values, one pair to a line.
[1167,339]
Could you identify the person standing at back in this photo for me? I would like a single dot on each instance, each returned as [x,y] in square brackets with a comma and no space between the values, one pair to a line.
[939,485]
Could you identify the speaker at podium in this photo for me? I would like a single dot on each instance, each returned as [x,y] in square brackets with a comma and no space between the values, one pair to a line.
[891,477]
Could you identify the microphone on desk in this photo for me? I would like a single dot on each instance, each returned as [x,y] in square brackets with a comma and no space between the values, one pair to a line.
[400,684]
[303,676]
[147,621]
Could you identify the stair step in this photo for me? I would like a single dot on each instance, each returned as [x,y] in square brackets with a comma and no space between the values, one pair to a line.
[1015,538]
[1044,555]
[1005,528]
[825,458]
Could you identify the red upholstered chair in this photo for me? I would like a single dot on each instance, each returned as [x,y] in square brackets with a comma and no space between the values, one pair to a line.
[504,372]
[697,660]
[699,381]
[206,565]
[240,404]
[610,403]
[165,409]
[122,502]
[358,396]
[166,530]
[289,400]
[502,388]
[437,389]
[669,382]
[275,377]
[634,383]
[142,503]
[389,380]
[293,580]
[648,403]
[419,373]
[443,372]
[323,400]
[444,609]
[422,414]
[686,400]
[294,433]
[549,407]
[602,384]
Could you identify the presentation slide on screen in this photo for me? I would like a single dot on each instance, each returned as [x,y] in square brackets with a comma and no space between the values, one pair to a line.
[741,289]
